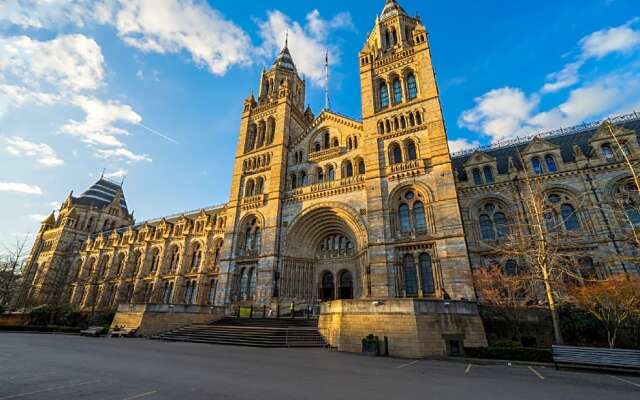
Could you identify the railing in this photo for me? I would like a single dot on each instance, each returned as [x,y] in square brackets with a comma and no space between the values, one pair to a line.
[634,116]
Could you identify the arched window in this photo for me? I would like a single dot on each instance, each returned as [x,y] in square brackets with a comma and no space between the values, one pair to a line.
[418,118]
[304,181]
[536,165]
[346,285]
[477,178]
[510,268]
[319,175]
[551,163]
[355,142]
[361,167]
[259,186]
[410,278]
[502,226]
[607,152]
[349,143]
[411,150]
[551,220]
[396,154]
[486,228]
[488,174]
[168,289]
[419,217]
[426,274]
[155,259]
[348,169]
[294,181]
[380,127]
[330,174]
[384,95]
[257,239]
[412,120]
[326,290]
[251,283]
[336,143]
[325,139]
[175,258]
[251,137]
[248,190]
[403,214]
[316,147]
[397,91]
[196,257]
[412,88]
[271,129]
[569,217]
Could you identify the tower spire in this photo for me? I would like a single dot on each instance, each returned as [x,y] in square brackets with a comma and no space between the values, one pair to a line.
[286,39]
[326,80]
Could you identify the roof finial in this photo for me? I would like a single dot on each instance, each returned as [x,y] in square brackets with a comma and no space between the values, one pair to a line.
[122,181]
[326,80]
[286,39]
[102,173]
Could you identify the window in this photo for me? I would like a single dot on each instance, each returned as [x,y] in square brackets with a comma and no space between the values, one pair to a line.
[418,215]
[607,152]
[486,228]
[331,174]
[569,217]
[196,257]
[537,167]
[426,274]
[319,175]
[384,95]
[166,295]
[551,163]
[396,154]
[336,143]
[397,91]
[410,279]
[349,169]
[211,296]
[361,167]
[412,88]
[502,227]
[411,150]
[477,178]
[257,238]
[316,147]
[551,221]
[488,174]
[405,223]
[510,268]
[304,180]
[294,182]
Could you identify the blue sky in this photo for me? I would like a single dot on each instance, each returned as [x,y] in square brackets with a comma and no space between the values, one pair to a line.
[152,89]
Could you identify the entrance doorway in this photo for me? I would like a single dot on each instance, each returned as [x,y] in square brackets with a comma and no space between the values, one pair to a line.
[327,290]
[346,285]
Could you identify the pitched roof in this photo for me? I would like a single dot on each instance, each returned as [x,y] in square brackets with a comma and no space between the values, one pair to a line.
[564,139]
[284,60]
[101,194]
[391,9]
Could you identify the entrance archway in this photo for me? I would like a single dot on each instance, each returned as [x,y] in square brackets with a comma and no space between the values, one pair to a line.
[345,288]
[324,255]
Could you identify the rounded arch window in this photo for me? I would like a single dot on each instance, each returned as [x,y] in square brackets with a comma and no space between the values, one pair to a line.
[397,91]
[488,174]
[412,87]
[550,162]
[626,196]
[361,168]
[252,236]
[395,154]
[607,152]
[492,221]
[536,165]
[560,213]
[348,169]
[412,154]
[383,92]
[410,276]
[411,212]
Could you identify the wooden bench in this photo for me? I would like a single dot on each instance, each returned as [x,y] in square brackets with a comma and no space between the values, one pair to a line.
[596,357]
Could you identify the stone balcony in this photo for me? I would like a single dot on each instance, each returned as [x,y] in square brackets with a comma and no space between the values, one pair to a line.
[325,154]
[256,201]
[406,169]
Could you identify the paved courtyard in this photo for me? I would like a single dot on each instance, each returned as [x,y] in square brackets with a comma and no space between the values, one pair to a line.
[42,366]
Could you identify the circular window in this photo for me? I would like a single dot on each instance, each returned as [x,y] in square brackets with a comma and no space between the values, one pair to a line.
[489,207]
[408,195]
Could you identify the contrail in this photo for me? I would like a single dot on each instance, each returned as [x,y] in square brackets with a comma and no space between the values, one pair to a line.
[158,133]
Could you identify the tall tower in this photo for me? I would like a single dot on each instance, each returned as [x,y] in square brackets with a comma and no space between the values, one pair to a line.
[249,256]
[54,257]
[408,162]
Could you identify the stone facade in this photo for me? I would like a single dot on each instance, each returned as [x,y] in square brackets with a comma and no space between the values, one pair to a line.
[329,207]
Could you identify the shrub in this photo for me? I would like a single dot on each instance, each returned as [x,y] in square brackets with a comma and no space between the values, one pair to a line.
[510,353]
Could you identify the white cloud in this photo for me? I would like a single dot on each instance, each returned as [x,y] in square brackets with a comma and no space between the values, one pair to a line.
[500,113]
[54,204]
[119,173]
[47,13]
[69,62]
[17,187]
[43,153]
[122,153]
[456,145]
[38,217]
[568,76]
[619,39]
[172,26]
[99,126]
[308,44]
[12,96]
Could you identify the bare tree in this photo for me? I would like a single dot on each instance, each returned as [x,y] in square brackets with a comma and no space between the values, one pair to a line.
[11,269]
[541,240]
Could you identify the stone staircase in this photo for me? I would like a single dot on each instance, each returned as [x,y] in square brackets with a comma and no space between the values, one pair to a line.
[255,332]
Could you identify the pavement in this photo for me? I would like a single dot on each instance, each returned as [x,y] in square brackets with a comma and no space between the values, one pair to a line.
[45,366]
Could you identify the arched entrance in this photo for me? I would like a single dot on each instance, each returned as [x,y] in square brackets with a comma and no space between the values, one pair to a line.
[326,287]
[345,288]
[324,255]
